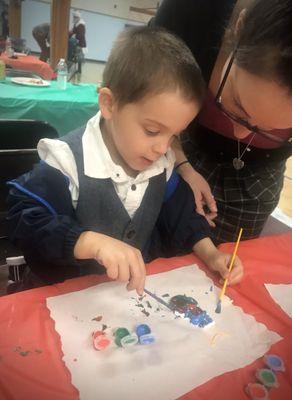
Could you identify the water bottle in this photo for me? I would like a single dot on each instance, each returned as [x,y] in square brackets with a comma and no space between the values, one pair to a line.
[62,74]
[2,71]
[8,47]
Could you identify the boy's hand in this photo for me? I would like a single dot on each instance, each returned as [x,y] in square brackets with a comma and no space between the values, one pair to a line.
[220,261]
[123,262]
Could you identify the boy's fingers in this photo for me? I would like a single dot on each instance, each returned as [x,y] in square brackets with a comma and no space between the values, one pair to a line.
[140,289]
[124,273]
[137,275]
[236,274]
[112,271]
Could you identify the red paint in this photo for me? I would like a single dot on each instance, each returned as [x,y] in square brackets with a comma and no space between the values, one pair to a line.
[257,391]
[100,340]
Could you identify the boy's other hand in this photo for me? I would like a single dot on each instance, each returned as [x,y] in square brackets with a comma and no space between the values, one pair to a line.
[202,192]
[122,262]
[219,262]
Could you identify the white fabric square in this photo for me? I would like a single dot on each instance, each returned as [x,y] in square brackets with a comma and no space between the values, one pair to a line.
[183,356]
[282,295]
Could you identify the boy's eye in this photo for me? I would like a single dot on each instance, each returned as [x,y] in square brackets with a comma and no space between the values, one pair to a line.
[151,132]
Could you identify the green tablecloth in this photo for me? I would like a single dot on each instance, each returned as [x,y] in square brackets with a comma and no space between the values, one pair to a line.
[65,110]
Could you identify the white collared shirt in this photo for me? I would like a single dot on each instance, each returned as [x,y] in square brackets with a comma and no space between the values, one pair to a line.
[99,164]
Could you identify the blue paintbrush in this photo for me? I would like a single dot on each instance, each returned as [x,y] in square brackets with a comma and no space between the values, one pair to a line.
[158,299]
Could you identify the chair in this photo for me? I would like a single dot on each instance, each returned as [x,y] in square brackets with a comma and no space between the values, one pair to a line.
[17,73]
[19,45]
[18,155]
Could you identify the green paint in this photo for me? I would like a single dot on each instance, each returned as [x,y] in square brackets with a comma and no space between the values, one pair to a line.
[119,334]
[268,376]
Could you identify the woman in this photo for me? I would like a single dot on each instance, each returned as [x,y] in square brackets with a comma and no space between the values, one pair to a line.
[242,137]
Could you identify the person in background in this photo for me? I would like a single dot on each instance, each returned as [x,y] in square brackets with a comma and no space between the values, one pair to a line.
[78,31]
[106,199]
[241,139]
[5,22]
[41,33]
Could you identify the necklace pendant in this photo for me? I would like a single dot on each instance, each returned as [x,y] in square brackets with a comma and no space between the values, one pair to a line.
[237,163]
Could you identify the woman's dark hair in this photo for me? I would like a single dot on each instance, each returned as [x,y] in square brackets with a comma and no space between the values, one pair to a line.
[264,46]
[149,60]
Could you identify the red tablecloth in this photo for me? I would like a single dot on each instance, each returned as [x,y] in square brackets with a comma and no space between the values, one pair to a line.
[25,325]
[30,63]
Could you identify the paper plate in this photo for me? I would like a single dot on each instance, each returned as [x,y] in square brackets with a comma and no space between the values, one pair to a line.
[37,82]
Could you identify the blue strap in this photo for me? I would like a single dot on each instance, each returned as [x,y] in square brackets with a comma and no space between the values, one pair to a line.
[171,186]
[34,196]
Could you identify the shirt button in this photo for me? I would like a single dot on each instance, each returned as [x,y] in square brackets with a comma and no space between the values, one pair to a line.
[133,187]
[131,234]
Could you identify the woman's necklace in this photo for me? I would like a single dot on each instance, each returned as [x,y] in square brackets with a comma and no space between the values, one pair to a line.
[237,162]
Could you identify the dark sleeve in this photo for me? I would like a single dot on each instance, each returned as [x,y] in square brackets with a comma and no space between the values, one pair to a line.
[41,216]
[180,227]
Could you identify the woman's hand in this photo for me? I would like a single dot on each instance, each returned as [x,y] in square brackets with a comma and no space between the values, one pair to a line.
[122,262]
[201,190]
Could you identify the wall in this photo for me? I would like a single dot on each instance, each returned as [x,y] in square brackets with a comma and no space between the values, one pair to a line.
[101,29]
[116,8]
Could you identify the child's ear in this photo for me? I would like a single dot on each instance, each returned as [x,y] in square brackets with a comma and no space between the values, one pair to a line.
[106,102]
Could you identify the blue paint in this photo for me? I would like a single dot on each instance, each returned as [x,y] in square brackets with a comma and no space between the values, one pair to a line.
[274,362]
[143,329]
[147,339]
[189,307]
[144,334]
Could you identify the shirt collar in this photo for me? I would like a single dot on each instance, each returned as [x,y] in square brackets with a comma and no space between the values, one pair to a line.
[99,164]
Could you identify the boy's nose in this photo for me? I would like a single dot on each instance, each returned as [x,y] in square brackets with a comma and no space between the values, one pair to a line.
[161,147]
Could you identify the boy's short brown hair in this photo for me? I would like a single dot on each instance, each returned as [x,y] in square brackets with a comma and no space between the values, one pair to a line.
[149,60]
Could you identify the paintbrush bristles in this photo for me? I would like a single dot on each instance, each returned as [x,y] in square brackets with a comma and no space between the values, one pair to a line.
[218,308]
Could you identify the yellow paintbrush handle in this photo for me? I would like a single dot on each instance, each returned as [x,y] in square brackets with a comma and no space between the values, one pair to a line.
[230,265]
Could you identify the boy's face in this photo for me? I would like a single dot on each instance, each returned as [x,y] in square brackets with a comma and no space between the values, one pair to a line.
[140,133]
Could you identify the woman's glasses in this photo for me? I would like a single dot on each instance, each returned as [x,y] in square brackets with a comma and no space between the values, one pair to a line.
[240,121]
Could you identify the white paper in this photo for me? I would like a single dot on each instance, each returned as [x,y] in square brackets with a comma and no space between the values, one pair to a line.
[282,295]
[183,357]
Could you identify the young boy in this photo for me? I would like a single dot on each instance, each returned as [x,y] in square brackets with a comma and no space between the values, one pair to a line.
[105,199]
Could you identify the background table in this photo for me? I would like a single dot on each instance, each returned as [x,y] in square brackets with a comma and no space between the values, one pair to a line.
[30,63]
[25,322]
[65,110]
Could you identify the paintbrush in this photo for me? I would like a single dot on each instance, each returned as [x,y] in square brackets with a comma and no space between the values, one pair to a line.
[218,308]
[158,299]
